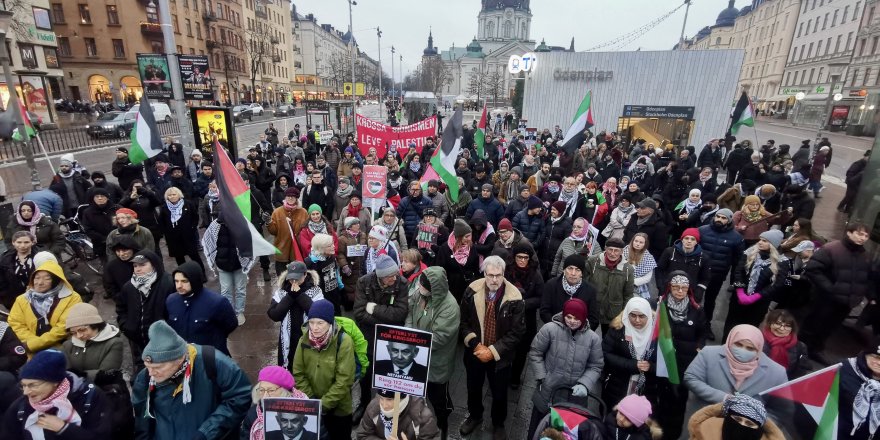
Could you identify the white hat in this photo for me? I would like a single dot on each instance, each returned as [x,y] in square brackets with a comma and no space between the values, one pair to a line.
[805,245]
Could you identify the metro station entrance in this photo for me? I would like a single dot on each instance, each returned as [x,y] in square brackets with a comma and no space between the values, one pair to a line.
[657,125]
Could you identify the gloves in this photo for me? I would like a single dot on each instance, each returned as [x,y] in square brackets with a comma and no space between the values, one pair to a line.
[745,299]
[370,307]
[346,270]
[579,391]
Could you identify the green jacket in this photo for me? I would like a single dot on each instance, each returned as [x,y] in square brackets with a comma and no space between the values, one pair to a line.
[440,316]
[613,287]
[326,374]
[103,353]
[360,342]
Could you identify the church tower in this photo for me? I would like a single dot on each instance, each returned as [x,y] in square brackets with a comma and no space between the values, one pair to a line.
[504,20]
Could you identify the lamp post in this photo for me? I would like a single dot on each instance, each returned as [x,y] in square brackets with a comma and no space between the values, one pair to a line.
[379,37]
[14,103]
[351,43]
[164,10]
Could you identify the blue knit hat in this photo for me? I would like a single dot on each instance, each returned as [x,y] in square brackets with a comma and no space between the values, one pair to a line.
[322,309]
[165,344]
[47,365]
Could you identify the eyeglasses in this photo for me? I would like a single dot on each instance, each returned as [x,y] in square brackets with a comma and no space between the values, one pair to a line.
[32,385]
[268,390]
[522,257]
[494,276]
[782,325]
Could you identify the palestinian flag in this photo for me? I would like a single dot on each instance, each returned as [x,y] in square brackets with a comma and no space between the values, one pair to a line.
[429,175]
[583,120]
[667,366]
[145,140]
[443,161]
[28,127]
[817,394]
[742,114]
[566,421]
[235,193]
[480,136]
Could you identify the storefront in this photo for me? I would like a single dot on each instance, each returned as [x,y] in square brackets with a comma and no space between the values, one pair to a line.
[684,97]
[35,96]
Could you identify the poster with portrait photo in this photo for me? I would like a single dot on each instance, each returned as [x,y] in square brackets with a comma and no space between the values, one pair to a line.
[155,75]
[287,418]
[195,75]
[401,359]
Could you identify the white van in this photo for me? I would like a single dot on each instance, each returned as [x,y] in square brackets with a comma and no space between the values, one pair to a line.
[161,111]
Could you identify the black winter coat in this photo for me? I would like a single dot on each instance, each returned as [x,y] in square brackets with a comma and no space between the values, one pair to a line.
[768,285]
[841,272]
[509,320]
[688,336]
[203,317]
[802,206]
[459,275]
[97,221]
[11,285]
[554,234]
[135,313]
[321,195]
[657,232]
[554,297]
[297,304]
[145,206]
[531,226]
[126,173]
[81,186]
[695,265]
[722,246]
[182,237]
[620,365]
[226,258]
[116,274]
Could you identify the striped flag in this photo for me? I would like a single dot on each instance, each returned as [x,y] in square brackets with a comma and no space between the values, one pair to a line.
[443,161]
[583,120]
[818,393]
[667,366]
[28,127]
[742,114]
[480,135]
[145,140]
[566,422]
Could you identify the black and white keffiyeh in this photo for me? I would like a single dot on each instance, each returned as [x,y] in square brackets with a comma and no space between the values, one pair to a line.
[866,405]
[745,406]
[209,245]
[315,294]
[570,289]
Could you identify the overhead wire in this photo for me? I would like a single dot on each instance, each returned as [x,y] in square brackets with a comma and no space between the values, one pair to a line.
[625,39]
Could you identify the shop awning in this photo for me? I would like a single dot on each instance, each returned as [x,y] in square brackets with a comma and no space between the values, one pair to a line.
[779,98]
[823,96]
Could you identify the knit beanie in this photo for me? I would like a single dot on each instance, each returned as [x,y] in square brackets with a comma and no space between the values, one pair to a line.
[635,408]
[379,233]
[575,307]
[487,187]
[575,260]
[277,376]
[559,206]
[505,225]
[726,213]
[385,266]
[351,221]
[47,365]
[83,314]
[693,232]
[323,310]
[165,344]
[315,207]
[460,228]
[291,192]
[534,202]
[774,236]
[42,257]
[127,211]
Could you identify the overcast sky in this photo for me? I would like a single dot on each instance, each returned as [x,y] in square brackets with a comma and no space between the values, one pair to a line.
[405,23]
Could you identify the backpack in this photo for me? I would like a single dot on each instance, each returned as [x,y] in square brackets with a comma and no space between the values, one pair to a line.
[210,359]
[362,361]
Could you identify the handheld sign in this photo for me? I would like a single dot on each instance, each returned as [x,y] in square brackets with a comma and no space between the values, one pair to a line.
[287,418]
[401,359]
[375,187]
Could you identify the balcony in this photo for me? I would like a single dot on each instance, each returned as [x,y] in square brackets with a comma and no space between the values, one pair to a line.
[151,28]
[209,16]
[274,40]
[261,13]
[211,44]
[276,58]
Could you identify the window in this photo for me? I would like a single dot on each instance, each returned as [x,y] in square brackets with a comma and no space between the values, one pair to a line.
[845,13]
[874,45]
[828,46]
[800,29]
[198,28]
[718,41]
[834,19]
[796,74]
[812,71]
[803,51]
[188,25]
[91,47]
[58,13]
[179,49]
[849,39]
[42,19]
[63,46]
[176,27]
[153,17]
[51,57]
[862,43]
[814,5]
[837,45]
[809,23]
[865,78]
[816,25]
[825,21]
[196,5]
[810,51]
[28,55]
[856,11]
[819,48]
[819,78]
[112,15]
[186,4]
[85,17]
[118,49]
[157,46]
[854,76]
[192,51]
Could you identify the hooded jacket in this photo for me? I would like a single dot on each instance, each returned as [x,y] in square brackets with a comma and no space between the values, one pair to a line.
[48,234]
[441,316]
[531,227]
[202,317]
[297,304]
[614,286]
[391,303]
[101,353]
[509,322]
[136,312]
[113,189]
[706,423]
[410,210]
[658,237]
[24,322]
[416,421]
[144,205]
[326,374]
[97,221]
[554,234]
[840,272]
[126,172]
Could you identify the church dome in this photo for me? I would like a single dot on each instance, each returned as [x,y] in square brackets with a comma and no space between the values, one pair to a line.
[430,51]
[542,47]
[728,16]
[489,5]
[474,50]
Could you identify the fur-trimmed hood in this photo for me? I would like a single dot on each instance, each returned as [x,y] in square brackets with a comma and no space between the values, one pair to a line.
[705,424]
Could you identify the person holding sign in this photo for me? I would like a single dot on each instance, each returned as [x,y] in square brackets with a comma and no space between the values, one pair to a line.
[402,363]
[492,323]
[273,381]
[415,420]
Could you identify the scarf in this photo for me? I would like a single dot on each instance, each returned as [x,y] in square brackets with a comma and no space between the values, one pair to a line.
[867,402]
[779,346]
[57,400]
[708,214]
[639,341]
[608,263]
[184,375]
[354,211]
[761,261]
[290,207]
[743,370]
[415,166]
[344,193]
[32,223]
[69,174]
[705,178]
[315,294]
[319,342]
[571,289]
[317,227]
[677,309]
[143,283]
[161,170]
[752,216]
[610,193]
[209,247]
[513,189]
[259,424]
[213,197]
[316,256]
[488,231]
[540,177]
[552,189]
[690,206]
[176,210]
[583,235]
[42,302]
[462,253]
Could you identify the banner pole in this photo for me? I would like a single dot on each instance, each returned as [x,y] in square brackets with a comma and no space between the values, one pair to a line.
[43,147]
[394,420]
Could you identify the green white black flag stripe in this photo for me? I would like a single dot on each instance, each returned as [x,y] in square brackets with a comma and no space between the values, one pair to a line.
[145,140]
[742,114]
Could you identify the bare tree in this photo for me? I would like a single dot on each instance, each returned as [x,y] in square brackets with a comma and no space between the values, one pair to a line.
[434,75]
[493,85]
[475,82]
[340,70]
[259,51]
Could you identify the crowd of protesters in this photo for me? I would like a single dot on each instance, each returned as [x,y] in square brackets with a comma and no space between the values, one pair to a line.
[550,260]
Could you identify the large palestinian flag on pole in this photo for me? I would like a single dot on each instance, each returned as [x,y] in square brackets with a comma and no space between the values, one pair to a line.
[443,161]
[583,120]
[480,135]
[817,394]
[145,140]
[742,114]
[235,200]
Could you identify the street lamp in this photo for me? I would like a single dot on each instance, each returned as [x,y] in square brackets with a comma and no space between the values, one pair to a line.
[351,42]
[5,21]
[379,37]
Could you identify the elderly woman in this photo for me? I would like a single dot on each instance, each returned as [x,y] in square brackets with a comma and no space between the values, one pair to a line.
[739,417]
[628,349]
[324,368]
[322,260]
[758,279]
[580,242]
[94,346]
[781,342]
[178,220]
[39,316]
[394,226]
[16,267]
[565,354]
[56,404]
[272,382]
[29,218]
[737,367]
[378,244]
[411,266]
[460,259]
[297,290]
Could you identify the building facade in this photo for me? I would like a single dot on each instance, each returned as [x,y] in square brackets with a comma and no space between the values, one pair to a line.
[863,80]
[323,58]
[269,51]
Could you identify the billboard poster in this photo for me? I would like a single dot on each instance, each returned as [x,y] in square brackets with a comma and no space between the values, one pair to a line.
[401,359]
[32,94]
[195,75]
[208,122]
[382,137]
[155,76]
[290,418]
[839,115]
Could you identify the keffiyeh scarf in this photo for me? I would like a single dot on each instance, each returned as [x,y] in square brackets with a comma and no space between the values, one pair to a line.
[678,310]
[144,283]
[570,289]
[42,302]
[56,401]
[176,210]
[866,405]
[315,294]
[318,227]
[209,246]
[755,272]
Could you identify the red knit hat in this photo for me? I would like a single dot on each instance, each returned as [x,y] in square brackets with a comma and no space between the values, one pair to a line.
[127,211]
[505,225]
[575,307]
[693,232]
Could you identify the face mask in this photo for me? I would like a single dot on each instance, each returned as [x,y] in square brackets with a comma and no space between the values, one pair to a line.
[743,355]
[573,324]
[731,429]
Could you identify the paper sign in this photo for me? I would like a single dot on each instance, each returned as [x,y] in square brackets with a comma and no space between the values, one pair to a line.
[356,250]
[287,418]
[375,178]
[401,359]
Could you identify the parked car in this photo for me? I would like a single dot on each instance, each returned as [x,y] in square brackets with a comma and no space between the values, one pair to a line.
[285,110]
[114,123]
[161,111]
[242,112]
[256,109]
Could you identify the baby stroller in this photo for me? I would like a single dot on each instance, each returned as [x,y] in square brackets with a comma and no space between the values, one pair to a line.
[576,417]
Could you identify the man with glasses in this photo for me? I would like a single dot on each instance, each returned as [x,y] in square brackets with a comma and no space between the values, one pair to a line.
[614,279]
[492,324]
[722,247]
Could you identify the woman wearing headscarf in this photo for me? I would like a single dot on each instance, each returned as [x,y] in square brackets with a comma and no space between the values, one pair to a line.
[46,232]
[758,279]
[524,272]
[628,349]
[460,259]
[272,382]
[484,236]
[740,417]
[580,242]
[781,342]
[739,366]
[683,210]
[297,290]
[39,316]
[16,267]
[501,175]
[619,217]
[565,354]
[643,263]
[178,220]
[687,323]
[611,191]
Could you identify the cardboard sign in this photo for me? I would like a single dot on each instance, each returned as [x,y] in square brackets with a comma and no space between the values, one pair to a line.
[531,136]
[325,136]
[401,359]
[375,182]
[381,137]
[286,417]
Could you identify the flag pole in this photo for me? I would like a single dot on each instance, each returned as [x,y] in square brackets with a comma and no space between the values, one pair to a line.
[43,147]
